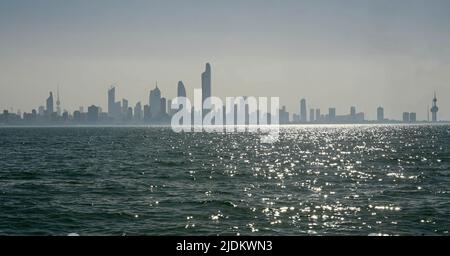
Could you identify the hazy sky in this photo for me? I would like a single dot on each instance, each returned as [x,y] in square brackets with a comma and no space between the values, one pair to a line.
[339,53]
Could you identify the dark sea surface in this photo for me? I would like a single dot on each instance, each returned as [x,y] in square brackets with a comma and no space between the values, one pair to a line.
[317,180]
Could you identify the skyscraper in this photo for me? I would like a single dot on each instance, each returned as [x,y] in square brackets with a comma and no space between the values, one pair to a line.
[138,112]
[129,114]
[147,114]
[380,114]
[49,109]
[406,117]
[181,90]
[318,114]
[111,101]
[58,103]
[77,116]
[303,111]
[41,110]
[124,107]
[284,115]
[311,115]
[34,114]
[163,106]
[117,109]
[92,115]
[353,112]
[170,111]
[412,117]
[206,86]
[65,115]
[434,109]
[331,114]
[155,102]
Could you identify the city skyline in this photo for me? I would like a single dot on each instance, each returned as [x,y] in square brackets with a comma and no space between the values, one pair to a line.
[302,113]
[369,53]
[158,110]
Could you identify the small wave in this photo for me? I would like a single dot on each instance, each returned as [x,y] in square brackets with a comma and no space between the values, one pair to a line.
[169,162]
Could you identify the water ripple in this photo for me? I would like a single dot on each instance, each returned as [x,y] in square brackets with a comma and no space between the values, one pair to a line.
[316,180]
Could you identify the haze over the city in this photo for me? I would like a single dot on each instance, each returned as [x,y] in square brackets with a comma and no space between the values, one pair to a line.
[337,53]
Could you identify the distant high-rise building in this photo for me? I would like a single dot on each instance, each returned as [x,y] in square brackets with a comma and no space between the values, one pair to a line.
[93,113]
[206,86]
[77,116]
[303,111]
[295,118]
[163,106]
[41,110]
[34,115]
[124,107]
[434,109]
[380,114]
[129,115]
[353,112]
[147,114]
[283,115]
[170,111]
[112,102]
[58,103]
[311,115]
[331,114]
[49,103]
[5,115]
[412,117]
[155,102]
[317,114]
[138,112]
[359,117]
[181,90]
[65,116]
[117,109]
[406,117]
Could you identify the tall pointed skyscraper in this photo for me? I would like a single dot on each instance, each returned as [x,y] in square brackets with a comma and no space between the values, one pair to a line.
[434,109]
[155,102]
[206,85]
[58,102]
[181,90]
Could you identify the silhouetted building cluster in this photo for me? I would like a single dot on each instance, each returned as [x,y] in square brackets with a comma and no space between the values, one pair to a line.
[315,116]
[158,111]
[354,117]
